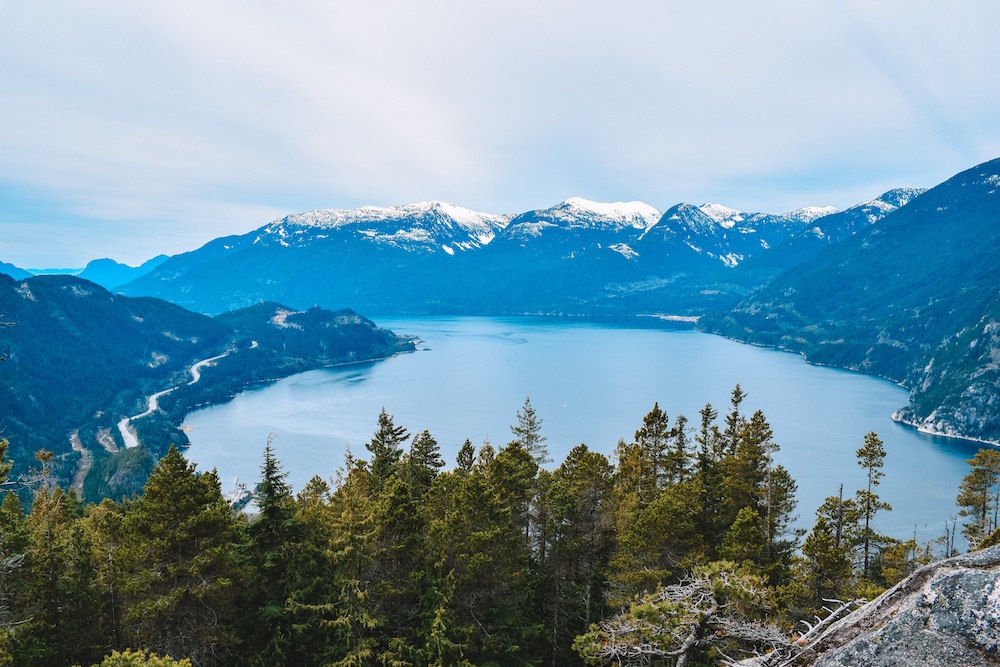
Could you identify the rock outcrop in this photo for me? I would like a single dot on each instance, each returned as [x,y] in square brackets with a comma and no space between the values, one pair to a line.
[945,614]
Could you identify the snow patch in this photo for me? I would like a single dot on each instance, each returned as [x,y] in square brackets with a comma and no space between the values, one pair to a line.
[810,213]
[631,209]
[624,250]
[725,216]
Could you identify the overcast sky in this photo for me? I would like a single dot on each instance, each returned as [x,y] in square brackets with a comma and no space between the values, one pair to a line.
[128,129]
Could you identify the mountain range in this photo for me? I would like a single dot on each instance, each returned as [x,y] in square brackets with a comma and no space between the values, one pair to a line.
[903,286]
[578,257]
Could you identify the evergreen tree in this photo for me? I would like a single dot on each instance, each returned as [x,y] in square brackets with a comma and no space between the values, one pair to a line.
[842,516]
[183,580]
[656,543]
[653,440]
[386,448]
[822,572]
[871,457]
[745,543]
[104,525]
[466,458]
[422,463]
[579,538]
[312,582]
[64,624]
[679,458]
[343,627]
[979,496]
[710,474]
[735,421]
[14,539]
[474,539]
[528,432]
[273,542]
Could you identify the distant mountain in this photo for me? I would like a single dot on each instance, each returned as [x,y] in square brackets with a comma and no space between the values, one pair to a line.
[13,271]
[109,274]
[77,359]
[915,298]
[578,257]
[825,231]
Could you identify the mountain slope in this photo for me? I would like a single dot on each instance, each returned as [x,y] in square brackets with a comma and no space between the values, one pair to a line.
[13,271]
[578,257]
[109,274]
[78,359]
[896,298]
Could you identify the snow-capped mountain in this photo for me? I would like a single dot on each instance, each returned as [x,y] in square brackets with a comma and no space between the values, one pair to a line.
[581,214]
[725,234]
[426,227]
[439,257]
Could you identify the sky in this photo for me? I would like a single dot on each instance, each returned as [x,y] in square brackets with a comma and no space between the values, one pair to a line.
[130,129]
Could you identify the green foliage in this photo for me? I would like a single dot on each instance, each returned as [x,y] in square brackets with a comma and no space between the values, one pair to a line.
[708,610]
[871,457]
[79,359]
[528,433]
[979,496]
[399,562]
[182,585]
[130,658]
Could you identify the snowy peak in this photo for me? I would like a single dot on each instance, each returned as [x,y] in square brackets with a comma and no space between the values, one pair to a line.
[427,226]
[625,214]
[891,200]
[810,213]
[725,216]
[582,215]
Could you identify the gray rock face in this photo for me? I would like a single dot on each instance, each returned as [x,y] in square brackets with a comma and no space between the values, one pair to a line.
[945,614]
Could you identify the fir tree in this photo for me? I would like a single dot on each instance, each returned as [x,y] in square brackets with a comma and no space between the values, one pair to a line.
[527,432]
[183,579]
[386,448]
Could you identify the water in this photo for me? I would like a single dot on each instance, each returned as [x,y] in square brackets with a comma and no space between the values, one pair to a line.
[589,383]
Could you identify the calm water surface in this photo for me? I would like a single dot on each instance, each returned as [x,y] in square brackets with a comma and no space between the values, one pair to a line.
[590,383]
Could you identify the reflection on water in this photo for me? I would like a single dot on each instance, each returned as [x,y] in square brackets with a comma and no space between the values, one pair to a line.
[590,383]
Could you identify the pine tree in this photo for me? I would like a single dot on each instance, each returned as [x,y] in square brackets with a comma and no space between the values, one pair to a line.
[65,622]
[871,457]
[711,475]
[822,572]
[979,496]
[656,543]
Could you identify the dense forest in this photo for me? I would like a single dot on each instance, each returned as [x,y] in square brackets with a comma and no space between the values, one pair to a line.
[78,359]
[679,551]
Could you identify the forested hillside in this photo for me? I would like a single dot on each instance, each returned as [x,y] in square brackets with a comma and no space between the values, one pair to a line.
[78,359]
[678,548]
[913,298]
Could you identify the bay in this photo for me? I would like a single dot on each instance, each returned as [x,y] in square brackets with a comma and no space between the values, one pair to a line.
[590,382]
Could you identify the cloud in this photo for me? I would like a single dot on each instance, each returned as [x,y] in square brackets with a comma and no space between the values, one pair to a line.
[204,117]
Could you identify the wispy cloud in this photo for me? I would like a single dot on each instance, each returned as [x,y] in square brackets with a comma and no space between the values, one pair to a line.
[137,128]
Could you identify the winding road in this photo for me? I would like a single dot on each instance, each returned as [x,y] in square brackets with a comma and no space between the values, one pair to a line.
[152,403]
